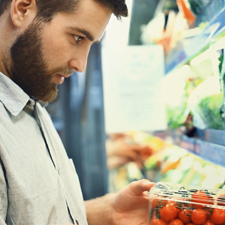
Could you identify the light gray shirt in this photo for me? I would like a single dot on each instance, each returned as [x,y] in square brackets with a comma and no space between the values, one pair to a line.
[38,182]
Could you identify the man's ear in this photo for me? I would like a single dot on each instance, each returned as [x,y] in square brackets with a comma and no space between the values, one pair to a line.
[23,12]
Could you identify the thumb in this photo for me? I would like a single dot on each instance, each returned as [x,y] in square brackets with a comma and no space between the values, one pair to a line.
[138,187]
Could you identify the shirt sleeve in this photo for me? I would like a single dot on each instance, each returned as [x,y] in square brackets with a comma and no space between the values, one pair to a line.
[3,196]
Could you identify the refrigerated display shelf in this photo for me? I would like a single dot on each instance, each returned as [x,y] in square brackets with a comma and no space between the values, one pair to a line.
[208,151]
[212,135]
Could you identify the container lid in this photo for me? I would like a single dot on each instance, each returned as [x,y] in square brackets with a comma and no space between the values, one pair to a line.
[189,194]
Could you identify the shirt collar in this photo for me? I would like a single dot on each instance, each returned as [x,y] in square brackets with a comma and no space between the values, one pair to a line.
[12,96]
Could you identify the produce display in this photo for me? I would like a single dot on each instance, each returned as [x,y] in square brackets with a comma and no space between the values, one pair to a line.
[177,87]
[185,168]
[175,204]
[207,99]
[210,111]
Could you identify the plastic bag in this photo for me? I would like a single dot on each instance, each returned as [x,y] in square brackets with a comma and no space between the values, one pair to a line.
[177,87]
[205,103]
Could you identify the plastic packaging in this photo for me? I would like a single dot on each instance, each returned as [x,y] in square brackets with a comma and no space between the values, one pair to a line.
[175,204]
[205,103]
[177,87]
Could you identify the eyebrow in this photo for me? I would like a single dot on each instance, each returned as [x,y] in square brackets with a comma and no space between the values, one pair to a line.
[85,32]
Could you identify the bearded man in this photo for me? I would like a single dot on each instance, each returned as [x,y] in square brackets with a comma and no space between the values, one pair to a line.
[41,43]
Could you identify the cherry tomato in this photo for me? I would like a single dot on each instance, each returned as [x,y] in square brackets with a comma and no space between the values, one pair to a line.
[218,216]
[209,212]
[168,212]
[221,200]
[155,221]
[201,198]
[174,202]
[154,202]
[159,203]
[198,216]
[178,212]
[176,222]
[190,224]
[185,216]
[208,222]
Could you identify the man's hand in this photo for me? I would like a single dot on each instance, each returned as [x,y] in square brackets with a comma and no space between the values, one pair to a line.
[131,204]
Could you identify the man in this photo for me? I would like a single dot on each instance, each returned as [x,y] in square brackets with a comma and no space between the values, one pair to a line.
[42,43]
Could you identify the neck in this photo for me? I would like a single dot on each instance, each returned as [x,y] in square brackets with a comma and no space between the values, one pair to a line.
[3,68]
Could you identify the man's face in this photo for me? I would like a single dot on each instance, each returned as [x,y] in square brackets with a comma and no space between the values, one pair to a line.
[44,54]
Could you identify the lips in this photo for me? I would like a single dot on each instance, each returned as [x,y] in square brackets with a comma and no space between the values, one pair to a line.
[59,79]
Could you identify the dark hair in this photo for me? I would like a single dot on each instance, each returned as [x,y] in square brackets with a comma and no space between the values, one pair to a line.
[48,8]
[118,7]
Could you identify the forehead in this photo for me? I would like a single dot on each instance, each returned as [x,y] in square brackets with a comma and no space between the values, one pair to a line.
[88,15]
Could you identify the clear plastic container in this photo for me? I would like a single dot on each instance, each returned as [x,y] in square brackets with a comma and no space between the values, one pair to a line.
[174,204]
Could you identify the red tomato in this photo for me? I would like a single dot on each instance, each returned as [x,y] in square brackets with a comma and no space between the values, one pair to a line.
[172,201]
[201,198]
[176,222]
[208,213]
[168,212]
[218,216]
[159,203]
[178,212]
[198,216]
[155,221]
[221,200]
[208,222]
[190,224]
[154,202]
[185,216]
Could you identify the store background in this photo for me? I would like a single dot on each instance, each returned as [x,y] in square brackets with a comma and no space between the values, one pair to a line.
[182,155]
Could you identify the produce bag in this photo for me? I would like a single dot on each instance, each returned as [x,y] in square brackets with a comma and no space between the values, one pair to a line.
[177,87]
[205,103]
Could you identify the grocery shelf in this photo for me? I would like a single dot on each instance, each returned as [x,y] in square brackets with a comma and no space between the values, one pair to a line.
[208,151]
[187,48]
[212,135]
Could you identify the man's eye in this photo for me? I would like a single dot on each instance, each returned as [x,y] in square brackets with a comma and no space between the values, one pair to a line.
[77,38]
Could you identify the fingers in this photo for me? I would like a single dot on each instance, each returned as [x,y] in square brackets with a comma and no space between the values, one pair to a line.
[138,187]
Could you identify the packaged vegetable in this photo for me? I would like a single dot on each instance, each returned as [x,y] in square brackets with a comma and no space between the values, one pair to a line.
[205,103]
[175,204]
[177,86]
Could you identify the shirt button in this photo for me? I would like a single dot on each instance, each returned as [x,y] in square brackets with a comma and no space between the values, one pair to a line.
[77,222]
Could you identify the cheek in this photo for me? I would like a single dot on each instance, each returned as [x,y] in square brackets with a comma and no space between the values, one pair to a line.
[55,52]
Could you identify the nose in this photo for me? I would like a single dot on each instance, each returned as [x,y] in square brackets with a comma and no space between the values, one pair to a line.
[79,61]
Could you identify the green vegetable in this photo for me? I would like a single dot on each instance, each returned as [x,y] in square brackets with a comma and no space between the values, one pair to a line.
[210,111]
[176,116]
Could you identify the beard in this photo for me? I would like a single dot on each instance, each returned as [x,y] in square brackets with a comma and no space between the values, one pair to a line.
[29,67]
